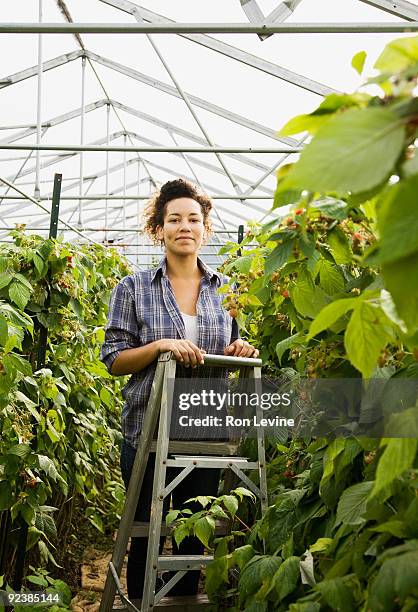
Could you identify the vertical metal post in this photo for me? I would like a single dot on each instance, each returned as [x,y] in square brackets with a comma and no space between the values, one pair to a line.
[83,74]
[138,208]
[43,335]
[240,237]
[106,220]
[125,136]
[37,191]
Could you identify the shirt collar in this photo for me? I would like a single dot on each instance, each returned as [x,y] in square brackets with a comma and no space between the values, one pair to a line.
[208,272]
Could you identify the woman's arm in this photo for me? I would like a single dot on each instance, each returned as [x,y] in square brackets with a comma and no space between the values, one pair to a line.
[136,359]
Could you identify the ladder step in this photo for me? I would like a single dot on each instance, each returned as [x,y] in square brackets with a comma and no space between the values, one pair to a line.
[212,462]
[140,529]
[183,562]
[199,447]
[189,603]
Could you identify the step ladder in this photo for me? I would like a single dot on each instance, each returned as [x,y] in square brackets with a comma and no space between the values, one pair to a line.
[188,455]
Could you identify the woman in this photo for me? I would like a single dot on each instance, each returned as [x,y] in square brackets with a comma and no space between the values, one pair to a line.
[174,307]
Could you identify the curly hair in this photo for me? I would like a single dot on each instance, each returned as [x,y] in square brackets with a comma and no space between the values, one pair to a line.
[154,211]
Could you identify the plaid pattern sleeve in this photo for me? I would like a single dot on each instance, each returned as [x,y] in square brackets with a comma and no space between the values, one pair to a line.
[143,309]
[123,328]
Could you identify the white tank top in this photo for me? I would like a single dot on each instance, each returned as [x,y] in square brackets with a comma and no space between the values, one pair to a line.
[190,323]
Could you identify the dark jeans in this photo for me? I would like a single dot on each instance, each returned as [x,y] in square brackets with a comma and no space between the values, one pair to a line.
[198,482]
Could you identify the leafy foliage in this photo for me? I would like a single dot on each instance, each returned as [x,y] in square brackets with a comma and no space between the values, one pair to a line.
[329,289]
[59,426]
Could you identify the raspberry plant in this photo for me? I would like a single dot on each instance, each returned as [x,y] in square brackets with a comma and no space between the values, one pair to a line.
[59,426]
[329,289]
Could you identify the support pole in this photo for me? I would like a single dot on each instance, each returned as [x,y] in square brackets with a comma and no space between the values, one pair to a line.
[107,166]
[37,190]
[124,184]
[83,76]
[41,358]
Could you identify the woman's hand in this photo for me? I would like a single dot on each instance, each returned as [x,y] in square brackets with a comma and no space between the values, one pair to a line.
[241,348]
[184,351]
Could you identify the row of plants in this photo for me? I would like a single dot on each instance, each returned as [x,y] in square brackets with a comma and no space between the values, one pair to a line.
[59,423]
[329,289]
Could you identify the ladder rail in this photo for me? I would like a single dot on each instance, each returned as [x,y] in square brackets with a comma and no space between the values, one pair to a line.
[159,409]
[137,477]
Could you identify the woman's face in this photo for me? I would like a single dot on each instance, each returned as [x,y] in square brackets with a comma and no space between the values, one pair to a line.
[183,229]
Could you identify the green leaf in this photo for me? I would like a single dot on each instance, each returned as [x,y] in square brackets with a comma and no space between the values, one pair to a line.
[204,529]
[398,222]
[328,107]
[321,545]
[216,575]
[20,450]
[390,311]
[39,263]
[242,555]
[340,248]
[365,337]
[6,495]
[258,571]
[181,532]
[5,279]
[39,580]
[4,333]
[308,298]
[399,529]
[398,55]
[358,61]
[171,516]
[278,257]
[304,123]
[330,314]
[352,152]
[331,207]
[106,397]
[397,578]
[242,264]
[337,594]
[18,362]
[397,457]
[352,504]
[287,343]
[231,503]
[401,280]
[22,279]
[308,606]
[47,465]
[19,294]
[287,577]
[330,277]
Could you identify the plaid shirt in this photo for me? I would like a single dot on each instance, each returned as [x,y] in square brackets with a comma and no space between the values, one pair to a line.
[143,309]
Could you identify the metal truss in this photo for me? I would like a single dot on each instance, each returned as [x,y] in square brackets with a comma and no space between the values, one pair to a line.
[228,50]
[400,8]
[121,218]
[354,27]
[280,13]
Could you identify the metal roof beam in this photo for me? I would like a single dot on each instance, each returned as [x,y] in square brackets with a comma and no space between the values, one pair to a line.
[61,60]
[144,116]
[183,133]
[55,121]
[196,101]
[229,50]
[353,27]
[280,13]
[400,8]
[163,149]
[63,157]
[204,164]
